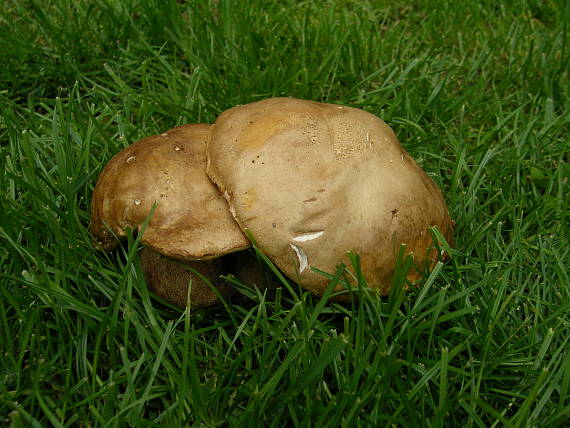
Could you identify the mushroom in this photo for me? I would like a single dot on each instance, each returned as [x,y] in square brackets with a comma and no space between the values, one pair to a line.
[191,221]
[311,181]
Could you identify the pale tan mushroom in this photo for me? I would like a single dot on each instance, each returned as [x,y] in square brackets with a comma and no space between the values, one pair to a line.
[191,220]
[310,181]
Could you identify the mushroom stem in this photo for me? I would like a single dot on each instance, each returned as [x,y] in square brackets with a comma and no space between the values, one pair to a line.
[170,279]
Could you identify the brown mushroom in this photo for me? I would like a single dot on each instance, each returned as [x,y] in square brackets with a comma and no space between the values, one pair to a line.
[191,220]
[311,181]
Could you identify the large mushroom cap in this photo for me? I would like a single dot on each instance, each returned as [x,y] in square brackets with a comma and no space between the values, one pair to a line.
[191,220]
[312,181]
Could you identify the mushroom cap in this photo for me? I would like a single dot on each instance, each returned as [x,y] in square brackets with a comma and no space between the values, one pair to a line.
[191,220]
[170,279]
[311,181]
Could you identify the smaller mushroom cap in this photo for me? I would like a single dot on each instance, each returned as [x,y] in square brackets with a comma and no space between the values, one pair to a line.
[191,221]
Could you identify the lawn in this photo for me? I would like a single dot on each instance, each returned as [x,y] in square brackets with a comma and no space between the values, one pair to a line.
[478,93]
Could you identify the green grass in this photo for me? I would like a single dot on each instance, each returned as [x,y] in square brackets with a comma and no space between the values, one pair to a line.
[478,92]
